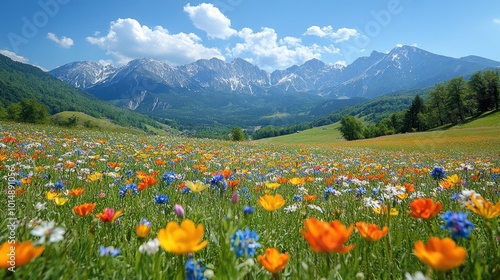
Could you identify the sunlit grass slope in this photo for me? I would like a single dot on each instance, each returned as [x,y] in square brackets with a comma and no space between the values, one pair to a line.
[475,134]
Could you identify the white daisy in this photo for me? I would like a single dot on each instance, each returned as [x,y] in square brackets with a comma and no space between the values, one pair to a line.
[47,230]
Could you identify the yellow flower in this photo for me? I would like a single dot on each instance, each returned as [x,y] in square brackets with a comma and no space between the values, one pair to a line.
[183,238]
[60,200]
[297,181]
[383,210]
[273,185]
[196,187]
[95,177]
[51,195]
[271,203]
[25,252]
[441,254]
[483,208]
[273,261]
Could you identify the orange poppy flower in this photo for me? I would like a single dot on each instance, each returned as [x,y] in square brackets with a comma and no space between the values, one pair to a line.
[441,254]
[273,261]
[159,162]
[76,192]
[84,209]
[310,197]
[324,237]
[232,183]
[425,208]
[114,165]
[371,232]
[25,252]
[69,164]
[227,173]
[271,203]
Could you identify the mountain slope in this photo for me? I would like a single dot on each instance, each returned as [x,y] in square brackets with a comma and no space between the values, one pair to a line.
[19,81]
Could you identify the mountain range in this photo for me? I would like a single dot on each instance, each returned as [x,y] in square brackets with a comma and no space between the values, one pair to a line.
[402,68]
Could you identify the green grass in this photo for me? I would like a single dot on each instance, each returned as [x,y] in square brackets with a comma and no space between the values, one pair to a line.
[84,120]
[488,119]
[475,134]
[317,135]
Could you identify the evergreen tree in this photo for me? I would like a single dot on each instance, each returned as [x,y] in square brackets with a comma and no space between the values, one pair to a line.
[351,128]
[413,118]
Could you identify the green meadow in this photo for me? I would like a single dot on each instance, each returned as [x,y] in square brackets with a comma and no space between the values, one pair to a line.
[78,198]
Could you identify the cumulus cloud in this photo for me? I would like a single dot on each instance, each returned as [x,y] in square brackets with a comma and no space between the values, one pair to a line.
[341,35]
[496,20]
[209,18]
[127,39]
[265,50]
[63,42]
[14,56]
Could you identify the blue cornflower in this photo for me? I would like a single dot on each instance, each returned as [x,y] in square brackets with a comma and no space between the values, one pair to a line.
[161,199]
[245,243]
[129,189]
[108,251]
[216,179]
[297,198]
[169,177]
[329,191]
[360,191]
[457,224]
[455,197]
[438,173]
[194,271]
[59,185]
[247,210]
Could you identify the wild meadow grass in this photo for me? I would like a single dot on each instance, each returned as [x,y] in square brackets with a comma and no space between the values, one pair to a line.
[231,189]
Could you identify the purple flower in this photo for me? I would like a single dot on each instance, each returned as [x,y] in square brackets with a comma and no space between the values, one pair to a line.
[179,210]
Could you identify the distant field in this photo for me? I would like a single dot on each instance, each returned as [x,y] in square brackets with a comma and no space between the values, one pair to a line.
[480,134]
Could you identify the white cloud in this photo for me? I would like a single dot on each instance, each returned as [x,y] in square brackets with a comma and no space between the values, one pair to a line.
[127,39]
[208,18]
[341,35]
[265,50]
[63,42]
[496,20]
[14,56]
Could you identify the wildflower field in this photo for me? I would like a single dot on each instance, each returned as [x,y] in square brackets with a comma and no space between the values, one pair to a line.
[82,204]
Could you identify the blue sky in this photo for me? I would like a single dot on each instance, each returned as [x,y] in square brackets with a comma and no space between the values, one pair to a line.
[273,34]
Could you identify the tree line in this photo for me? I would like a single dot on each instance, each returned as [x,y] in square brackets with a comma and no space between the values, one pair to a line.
[449,102]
